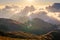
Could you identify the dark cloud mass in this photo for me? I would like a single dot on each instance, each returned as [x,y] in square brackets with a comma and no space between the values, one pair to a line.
[54,8]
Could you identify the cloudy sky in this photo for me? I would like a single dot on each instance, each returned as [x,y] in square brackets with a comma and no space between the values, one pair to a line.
[22,3]
[28,2]
[14,8]
[6,1]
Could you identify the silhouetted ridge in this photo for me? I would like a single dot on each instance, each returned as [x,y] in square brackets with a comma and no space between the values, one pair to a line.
[7,25]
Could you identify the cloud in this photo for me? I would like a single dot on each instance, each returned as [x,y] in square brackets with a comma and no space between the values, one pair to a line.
[8,11]
[44,16]
[40,14]
[54,8]
[22,15]
[26,10]
[14,12]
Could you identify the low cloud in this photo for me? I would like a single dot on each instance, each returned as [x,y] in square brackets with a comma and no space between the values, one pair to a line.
[44,16]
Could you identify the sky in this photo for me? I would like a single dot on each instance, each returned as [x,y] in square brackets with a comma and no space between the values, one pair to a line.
[51,7]
[6,1]
[28,1]
[23,3]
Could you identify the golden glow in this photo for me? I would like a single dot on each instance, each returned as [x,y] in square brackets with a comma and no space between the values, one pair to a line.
[12,9]
[29,14]
[30,0]
[1,6]
[54,15]
[29,3]
[35,4]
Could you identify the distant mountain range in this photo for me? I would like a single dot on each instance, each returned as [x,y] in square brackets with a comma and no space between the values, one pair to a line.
[53,35]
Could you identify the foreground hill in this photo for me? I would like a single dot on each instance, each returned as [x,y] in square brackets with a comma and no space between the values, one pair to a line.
[53,35]
[13,30]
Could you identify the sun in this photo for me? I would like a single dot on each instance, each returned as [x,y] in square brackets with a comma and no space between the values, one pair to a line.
[30,0]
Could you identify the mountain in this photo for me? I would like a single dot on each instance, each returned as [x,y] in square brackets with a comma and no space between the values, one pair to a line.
[38,26]
[20,34]
[10,25]
[11,29]
[53,35]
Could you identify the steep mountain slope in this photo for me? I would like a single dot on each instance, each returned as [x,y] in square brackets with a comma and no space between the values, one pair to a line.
[53,35]
[38,26]
[20,34]
[9,25]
